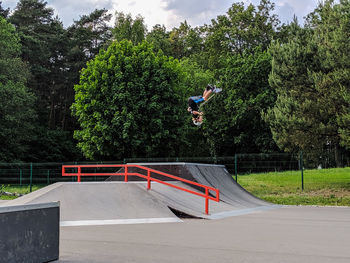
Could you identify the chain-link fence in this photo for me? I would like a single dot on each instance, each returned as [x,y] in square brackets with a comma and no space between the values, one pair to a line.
[237,165]
[240,163]
[40,173]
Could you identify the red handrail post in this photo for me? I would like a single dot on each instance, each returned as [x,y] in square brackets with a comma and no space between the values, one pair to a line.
[126,173]
[148,179]
[206,201]
[79,172]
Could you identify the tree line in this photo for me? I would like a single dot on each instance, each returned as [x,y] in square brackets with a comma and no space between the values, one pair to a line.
[104,92]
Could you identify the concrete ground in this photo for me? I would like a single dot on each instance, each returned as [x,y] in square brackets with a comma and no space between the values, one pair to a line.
[288,234]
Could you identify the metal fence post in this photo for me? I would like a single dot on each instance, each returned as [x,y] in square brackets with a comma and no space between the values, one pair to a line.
[236,173]
[301,170]
[31,177]
[20,176]
[48,177]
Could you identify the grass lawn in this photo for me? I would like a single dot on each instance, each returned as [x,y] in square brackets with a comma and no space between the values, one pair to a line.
[18,189]
[321,187]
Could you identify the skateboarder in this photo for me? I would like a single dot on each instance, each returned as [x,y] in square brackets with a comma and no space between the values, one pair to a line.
[195,101]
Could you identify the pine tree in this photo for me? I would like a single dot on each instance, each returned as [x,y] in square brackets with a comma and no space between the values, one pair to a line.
[4,12]
[310,74]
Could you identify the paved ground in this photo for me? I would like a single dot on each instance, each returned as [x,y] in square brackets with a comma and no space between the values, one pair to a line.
[288,234]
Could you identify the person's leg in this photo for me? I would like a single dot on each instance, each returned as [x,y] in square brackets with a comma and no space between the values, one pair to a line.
[207,93]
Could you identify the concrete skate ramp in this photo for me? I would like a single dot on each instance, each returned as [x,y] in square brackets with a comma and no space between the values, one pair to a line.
[218,177]
[215,176]
[101,203]
[194,205]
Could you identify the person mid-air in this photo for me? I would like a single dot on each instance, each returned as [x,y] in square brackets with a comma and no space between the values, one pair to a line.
[195,101]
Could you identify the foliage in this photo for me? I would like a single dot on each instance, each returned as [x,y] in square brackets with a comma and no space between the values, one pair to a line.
[53,146]
[240,30]
[307,89]
[87,37]
[195,81]
[128,28]
[16,101]
[129,104]
[42,48]
[310,75]
[185,41]
[4,12]
[159,37]
[89,34]
[332,34]
[234,122]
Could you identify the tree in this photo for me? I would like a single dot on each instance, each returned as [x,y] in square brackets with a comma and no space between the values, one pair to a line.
[86,37]
[292,119]
[44,48]
[309,74]
[128,104]
[43,42]
[239,30]
[233,119]
[4,12]
[332,31]
[90,33]
[128,28]
[195,80]
[16,101]
[159,37]
[185,41]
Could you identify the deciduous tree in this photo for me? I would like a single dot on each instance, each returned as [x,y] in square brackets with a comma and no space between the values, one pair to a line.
[128,104]
[16,101]
[128,28]
[234,122]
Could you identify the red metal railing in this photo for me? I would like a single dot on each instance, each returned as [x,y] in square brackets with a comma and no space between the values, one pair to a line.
[148,177]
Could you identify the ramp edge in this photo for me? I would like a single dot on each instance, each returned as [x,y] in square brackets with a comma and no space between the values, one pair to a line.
[243,211]
[18,208]
[120,221]
[178,163]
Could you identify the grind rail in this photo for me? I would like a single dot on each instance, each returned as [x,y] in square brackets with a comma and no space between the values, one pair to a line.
[78,173]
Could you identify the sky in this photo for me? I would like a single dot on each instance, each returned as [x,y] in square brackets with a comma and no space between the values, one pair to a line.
[169,13]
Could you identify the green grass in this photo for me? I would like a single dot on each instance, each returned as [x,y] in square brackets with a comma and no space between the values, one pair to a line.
[321,187]
[18,189]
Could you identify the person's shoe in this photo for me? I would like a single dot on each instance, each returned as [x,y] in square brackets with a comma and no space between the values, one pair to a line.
[210,87]
[216,90]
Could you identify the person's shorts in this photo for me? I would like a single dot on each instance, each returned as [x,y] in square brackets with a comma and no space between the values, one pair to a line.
[194,101]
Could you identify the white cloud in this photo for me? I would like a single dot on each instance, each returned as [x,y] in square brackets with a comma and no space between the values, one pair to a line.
[69,10]
[9,3]
[168,12]
[196,12]
[286,9]
[152,11]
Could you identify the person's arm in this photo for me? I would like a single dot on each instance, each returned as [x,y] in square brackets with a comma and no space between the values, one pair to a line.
[197,112]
